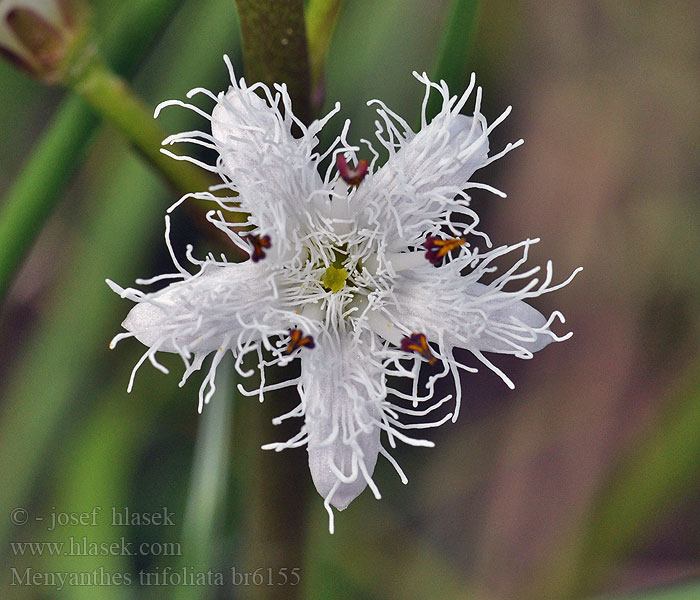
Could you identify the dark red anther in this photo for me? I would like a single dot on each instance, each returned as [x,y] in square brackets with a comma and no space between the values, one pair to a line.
[416,342]
[298,340]
[351,176]
[436,249]
[259,244]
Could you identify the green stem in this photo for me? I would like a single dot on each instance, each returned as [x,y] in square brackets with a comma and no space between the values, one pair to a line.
[32,198]
[275,51]
[321,19]
[274,48]
[274,491]
[111,97]
[39,186]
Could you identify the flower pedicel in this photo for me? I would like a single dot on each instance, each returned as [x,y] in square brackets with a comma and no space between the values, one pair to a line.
[360,273]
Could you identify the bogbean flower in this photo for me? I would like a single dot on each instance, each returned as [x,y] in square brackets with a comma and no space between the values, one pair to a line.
[365,274]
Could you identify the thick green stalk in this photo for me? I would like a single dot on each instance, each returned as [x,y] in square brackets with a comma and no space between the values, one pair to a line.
[111,97]
[274,51]
[56,157]
[274,486]
[455,48]
[274,48]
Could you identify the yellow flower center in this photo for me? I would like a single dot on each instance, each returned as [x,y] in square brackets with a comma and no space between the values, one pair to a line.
[334,279]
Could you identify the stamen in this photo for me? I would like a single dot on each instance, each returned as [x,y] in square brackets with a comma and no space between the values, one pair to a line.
[416,342]
[297,340]
[259,244]
[351,176]
[436,249]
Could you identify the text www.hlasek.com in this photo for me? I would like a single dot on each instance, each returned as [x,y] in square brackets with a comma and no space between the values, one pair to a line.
[81,546]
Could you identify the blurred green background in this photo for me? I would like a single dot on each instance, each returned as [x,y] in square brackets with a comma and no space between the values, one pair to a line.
[583,482]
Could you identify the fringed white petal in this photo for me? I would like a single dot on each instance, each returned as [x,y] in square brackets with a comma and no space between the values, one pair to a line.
[443,155]
[423,181]
[459,312]
[342,391]
[223,307]
[266,157]
[471,316]
[273,172]
[199,312]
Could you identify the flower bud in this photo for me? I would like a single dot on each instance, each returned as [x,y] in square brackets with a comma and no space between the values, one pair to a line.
[42,36]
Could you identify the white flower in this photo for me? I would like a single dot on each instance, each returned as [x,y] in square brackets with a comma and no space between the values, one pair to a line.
[360,281]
